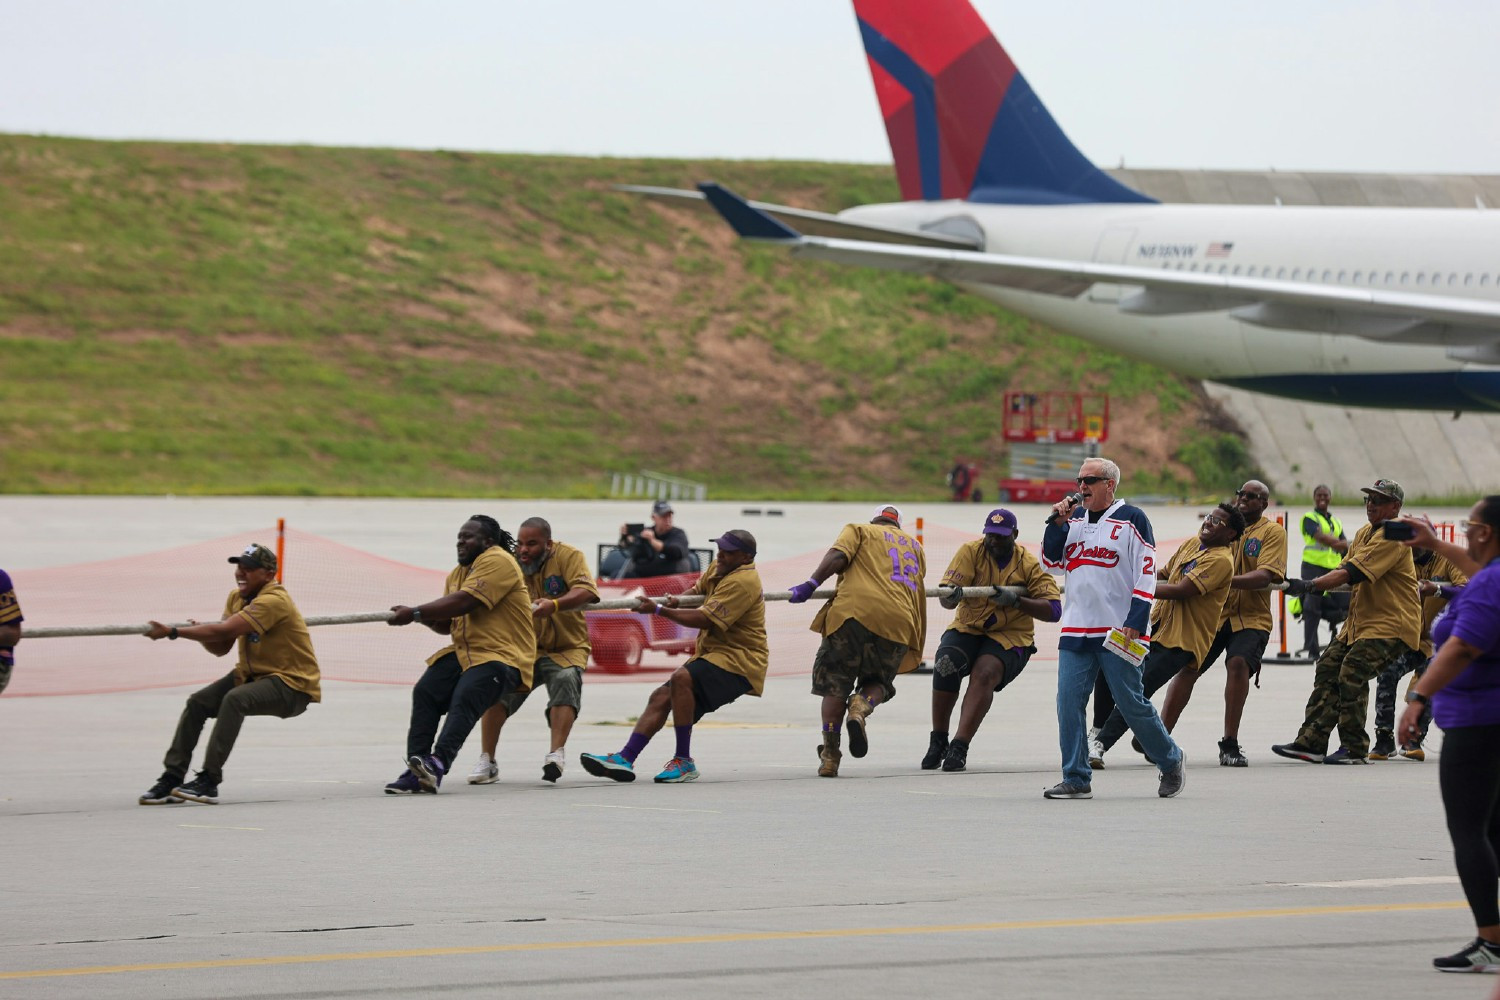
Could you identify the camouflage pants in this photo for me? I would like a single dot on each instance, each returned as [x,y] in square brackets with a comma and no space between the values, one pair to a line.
[1341,693]
[1385,694]
[854,658]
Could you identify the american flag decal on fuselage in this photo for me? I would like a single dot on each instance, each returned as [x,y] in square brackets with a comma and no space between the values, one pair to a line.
[1218,250]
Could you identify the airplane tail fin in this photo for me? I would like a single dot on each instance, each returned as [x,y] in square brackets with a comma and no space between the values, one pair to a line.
[963,122]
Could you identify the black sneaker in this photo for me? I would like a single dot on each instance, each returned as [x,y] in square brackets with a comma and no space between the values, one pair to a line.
[405,784]
[1385,745]
[1296,751]
[160,794]
[957,758]
[201,789]
[1344,756]
[1068,790]
[937,749]
[1480,956]
[428,770]
[1172,781]
[1231,754]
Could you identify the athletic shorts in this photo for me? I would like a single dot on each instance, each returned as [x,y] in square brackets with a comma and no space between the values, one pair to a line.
[564,687]
[1249,643]
[853,656]
[713,686]
[959,651]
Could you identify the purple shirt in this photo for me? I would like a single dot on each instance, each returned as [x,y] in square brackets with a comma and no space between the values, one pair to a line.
[1473,698]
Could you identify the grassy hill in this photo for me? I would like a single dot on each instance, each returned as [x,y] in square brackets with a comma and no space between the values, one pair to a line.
[249,319]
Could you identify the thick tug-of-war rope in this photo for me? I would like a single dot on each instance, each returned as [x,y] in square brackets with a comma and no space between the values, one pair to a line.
[623,604]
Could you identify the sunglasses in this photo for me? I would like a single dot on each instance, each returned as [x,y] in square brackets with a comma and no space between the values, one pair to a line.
[1214,521]
[1468,526]
[1091,480]
[1249,495]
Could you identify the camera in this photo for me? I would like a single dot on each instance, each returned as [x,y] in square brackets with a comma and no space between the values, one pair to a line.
[1397,531]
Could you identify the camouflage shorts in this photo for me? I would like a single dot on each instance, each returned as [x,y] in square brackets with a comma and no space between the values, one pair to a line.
[853,656]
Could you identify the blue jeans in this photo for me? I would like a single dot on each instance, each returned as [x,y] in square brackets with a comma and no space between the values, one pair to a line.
[1076,671]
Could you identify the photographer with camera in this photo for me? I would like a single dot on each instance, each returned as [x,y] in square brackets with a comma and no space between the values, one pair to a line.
[1385,622]
[660,550]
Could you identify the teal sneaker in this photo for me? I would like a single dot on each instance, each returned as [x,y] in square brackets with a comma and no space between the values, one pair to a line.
[678,769]
[610,765]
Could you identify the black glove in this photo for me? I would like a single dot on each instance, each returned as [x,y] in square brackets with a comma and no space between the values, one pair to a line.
[1297,588]
[950,599]
[1005,597]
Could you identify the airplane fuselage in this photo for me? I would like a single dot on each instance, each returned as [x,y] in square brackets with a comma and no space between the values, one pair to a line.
[1445,252]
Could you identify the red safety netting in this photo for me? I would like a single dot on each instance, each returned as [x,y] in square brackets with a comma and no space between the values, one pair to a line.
[327,578]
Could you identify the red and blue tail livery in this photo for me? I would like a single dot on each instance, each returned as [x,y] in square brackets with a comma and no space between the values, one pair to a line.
[963,122]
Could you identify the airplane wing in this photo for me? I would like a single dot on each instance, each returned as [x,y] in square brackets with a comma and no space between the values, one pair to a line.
[817,223]
[1468,328]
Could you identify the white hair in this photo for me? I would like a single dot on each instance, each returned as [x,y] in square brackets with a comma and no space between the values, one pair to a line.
[1111,470]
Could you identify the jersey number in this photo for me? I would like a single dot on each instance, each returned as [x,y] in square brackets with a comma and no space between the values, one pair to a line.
[904,568]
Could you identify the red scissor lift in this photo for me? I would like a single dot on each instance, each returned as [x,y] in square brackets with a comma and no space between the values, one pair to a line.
[1050,434]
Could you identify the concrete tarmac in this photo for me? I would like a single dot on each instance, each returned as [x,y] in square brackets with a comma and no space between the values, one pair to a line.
[760,878]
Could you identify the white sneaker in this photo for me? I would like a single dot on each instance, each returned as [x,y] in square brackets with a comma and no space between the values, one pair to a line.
[1096,750]
[552,765]
[486,771]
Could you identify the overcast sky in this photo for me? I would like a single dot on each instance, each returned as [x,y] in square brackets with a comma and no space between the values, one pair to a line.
[1374,85]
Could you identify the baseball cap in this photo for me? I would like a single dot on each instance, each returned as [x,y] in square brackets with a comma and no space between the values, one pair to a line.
[731,542]
[661,507]
[1000,522]
[256,557]
[1388,488]
[889,511]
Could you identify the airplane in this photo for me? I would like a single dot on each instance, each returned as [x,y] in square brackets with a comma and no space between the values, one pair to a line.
[1376,307]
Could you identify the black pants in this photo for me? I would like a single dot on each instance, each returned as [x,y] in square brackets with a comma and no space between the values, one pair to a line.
[1104,701]
[1469,775]
[464,695]
[1330,608]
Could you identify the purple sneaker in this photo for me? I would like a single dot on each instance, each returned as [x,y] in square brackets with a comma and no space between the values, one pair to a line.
[428,771]
[404,785]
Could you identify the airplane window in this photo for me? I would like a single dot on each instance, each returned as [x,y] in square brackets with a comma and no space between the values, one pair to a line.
[1388,277]
[1296,274]
[1193,266]
[1405,277]
[1484,279]
[1452,279]
[1468,279]
[1250,270]
[1281,273]
[1419,277]
[1326,276]
[1341,277]
[1236,268]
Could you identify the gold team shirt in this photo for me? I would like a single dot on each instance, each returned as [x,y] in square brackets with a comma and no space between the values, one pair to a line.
[278,645]
[1386,605]
[1191,624]
[736,637]
[882,588]
[1262,546]
[500,628]
[562,636]
[1436,568]
[1011,627]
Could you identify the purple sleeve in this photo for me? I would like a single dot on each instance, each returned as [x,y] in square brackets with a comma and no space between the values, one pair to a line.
[1477,618]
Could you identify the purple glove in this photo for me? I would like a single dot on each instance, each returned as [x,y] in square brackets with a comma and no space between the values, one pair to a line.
[802,592]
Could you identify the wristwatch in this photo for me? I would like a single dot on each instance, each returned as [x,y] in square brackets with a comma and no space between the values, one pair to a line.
[1420,698]
[416,614]
[172,634]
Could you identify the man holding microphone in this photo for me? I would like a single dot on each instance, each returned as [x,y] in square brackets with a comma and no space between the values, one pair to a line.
[1108,551]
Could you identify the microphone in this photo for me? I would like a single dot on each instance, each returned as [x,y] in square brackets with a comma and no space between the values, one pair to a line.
[1073,498]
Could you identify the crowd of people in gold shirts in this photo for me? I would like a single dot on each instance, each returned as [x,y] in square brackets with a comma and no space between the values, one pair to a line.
[512,617]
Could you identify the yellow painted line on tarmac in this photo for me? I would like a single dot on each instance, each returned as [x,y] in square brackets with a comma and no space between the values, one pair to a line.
[739,938]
